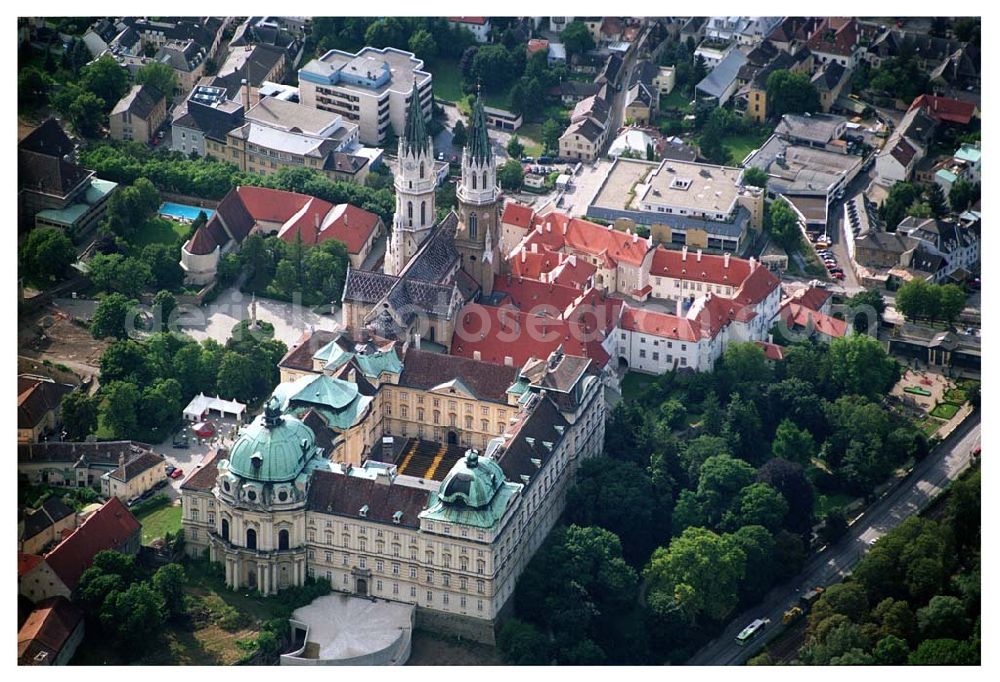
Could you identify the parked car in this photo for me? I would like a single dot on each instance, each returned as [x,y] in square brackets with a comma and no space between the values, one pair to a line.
[177,473]
[170,469]
[838,275]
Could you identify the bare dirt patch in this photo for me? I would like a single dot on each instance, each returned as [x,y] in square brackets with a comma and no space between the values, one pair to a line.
[52,334]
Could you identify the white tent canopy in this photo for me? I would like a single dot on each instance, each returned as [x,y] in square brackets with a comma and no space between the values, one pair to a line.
[201,404]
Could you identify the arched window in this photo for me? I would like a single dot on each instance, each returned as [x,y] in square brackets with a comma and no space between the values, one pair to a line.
[283,539]
[421,170]
[485,184]
[473,225]
[225,529]
[409,212]
[251,538]
[473,181]
[468,422]
[423,212]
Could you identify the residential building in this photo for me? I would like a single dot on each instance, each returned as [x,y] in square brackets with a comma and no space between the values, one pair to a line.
[751,95]
[206,116]
[51,634]
[186,57]
[792,34]
[571,91]
[557,54]
[721,82]
[684,203]
[53,191]
[371,88]
[479,27]
[247,68]
[664,80]
[714,50]
[284,33]
[642,99]
[819,131]
[587,134]
[41,527]
[38,407]
[829,81]
[279,134]
[288,215]
[75,465]
[800,321]
[958,244]
[155,33]
[57,573]
[134,476]
[836,39]
[139,114]
[907,145]
[957,64]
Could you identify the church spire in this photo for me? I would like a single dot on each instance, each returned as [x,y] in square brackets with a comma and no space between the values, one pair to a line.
[415,139]
[479,139]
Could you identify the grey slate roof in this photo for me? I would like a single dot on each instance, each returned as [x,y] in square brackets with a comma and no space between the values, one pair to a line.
[139,101]
[51,511]
[722,76]
[366,286]
[437,256]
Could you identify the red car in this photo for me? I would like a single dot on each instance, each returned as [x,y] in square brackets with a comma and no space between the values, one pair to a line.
[177,473]
[838,275]
[977,451]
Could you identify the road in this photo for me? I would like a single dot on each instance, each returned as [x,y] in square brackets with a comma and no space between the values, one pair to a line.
[618,101]
[927,480]
[835,229]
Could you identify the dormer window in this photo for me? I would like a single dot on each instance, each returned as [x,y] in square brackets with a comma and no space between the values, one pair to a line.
[397,517]
[363,512]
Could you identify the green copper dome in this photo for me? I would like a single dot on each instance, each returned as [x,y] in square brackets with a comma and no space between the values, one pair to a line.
[472,482]
[273,448]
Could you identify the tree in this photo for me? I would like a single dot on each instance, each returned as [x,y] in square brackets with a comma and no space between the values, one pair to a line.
[79,414]
[494,67]
[859,365]
[834,526]
[676,577]
[159,76]
[163,261]
[577,39]
[133,616]
[792,443]
[943,617]
[111,315]
[895,619]
[515,148]
[742,427]
[124,360]
[33,86]
[236,377]
[169,581]
[46,255]
[459,135]
[86,114]
[119,410]
[386,32]
[783,225]
[721,478]
[844,599]
[868,307]
[712,149]
[901,196]
[790,480]
[944,652]
[511,175]
[934,196]
[106,79]
[758,504]
[791,93]
[951,302]
[755,177]
[161,403]
[963,194]
[759,547]
[521,643]
[616,496]
[164,304]
[551,132]
[919,209]
[914,299]
[422,44]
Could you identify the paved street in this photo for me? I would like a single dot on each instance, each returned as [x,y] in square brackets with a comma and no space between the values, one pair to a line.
[835,228]
[928,479]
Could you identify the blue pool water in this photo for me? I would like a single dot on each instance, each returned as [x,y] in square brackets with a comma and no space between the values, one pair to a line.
[172,210]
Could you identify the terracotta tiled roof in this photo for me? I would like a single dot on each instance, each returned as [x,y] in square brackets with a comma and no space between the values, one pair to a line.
[202,243]
[517,214]
[343,495]
[711,268]
[835,35]
[203,479]
[479,21]
[756,287]
[537,45]
[655,323]
[795,315]
[555,267]
[902,151]
[351,225]
[107,528]
[813,298]
[425,370]
[46,631]
[772,351]
[36,398]
[946,109]
[300,355]
[558,232]
[529,294]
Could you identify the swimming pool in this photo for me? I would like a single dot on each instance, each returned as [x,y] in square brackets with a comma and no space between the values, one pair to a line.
[172,210]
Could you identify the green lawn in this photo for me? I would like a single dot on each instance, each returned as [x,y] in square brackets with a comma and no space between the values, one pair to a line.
[677,99]
[158,522]
[447,79]
[928,425]
[945,411]
[825,503]
[159,230]
[635,382]
[956,395]
[741,145]
[530,135]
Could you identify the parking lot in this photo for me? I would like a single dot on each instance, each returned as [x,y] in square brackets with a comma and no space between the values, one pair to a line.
[189,459]
[585,186]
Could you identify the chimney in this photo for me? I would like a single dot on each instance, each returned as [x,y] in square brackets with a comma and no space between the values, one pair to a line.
[246,94]
[725,260]
[566,224]
[684,253]
[635,237]
[753,263]
[476,355]
[699,255]
[679,312]
[352,376]
[524,255]
[534,247]
[416,341]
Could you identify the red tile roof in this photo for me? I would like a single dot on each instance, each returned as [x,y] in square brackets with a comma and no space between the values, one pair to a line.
[344,222]
[835,35]
[655,323]
[711,268]
[813,298]
[555,267]
[107,528]
[498,332]
[946,109]
[47,630]
[26,562]
[772,351]
[559,232]
[795,315]
[202,243]
[479,21]
[537,45]
[518,215]
[529,294]
[756,287]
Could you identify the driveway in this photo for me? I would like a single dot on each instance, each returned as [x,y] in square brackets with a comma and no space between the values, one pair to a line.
[215,320]
[189,459]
